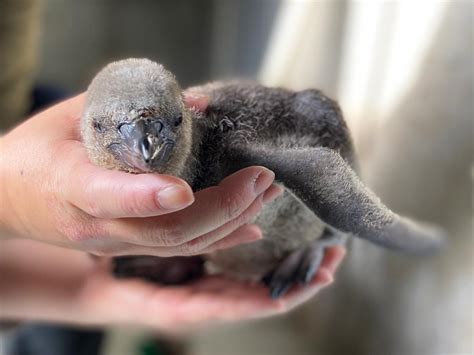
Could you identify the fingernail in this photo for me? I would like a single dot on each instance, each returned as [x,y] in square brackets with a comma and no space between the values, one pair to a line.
[175,197]
[263,181]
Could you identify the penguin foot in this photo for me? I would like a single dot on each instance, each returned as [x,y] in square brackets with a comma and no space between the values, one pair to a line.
[166,271]
[300,266]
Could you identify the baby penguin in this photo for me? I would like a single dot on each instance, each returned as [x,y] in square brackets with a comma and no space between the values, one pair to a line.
[135,120]
[135,117]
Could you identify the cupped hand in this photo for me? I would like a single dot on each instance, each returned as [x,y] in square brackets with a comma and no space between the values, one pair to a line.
[55,284]
[52,193]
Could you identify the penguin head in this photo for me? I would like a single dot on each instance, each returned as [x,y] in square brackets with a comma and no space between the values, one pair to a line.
[135,119]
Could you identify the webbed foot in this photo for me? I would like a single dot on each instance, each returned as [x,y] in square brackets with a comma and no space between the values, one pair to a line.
[300,266]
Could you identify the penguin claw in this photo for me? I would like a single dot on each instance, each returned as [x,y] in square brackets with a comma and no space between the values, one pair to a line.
[278,290]
[307,274]
[299,267]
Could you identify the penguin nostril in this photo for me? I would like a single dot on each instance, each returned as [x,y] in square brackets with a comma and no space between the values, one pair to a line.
[146,143]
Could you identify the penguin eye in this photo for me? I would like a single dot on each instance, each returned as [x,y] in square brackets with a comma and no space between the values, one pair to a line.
[98,127]
[125,128]
[158,126]
[178,120]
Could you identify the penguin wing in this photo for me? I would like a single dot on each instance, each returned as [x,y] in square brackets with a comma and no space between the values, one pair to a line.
[324,182]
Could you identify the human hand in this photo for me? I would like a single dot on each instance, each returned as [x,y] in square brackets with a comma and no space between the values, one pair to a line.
[67,286]
[52,193]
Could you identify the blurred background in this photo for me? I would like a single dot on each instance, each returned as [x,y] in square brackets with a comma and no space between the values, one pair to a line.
[402,72]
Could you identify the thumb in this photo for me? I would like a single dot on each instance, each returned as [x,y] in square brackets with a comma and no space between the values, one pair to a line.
[106,193]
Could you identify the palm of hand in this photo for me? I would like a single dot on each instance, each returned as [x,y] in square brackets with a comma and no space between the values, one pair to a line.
[62,285]
[207,300]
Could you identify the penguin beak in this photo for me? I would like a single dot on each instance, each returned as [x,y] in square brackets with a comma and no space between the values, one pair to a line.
[146,144]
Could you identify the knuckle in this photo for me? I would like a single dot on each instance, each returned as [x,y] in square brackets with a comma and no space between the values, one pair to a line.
[91,205]
[90,235]
[134,204]
[129,204]
[80,230]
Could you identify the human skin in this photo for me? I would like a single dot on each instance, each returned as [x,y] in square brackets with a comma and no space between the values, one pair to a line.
[50,283]
[52,193]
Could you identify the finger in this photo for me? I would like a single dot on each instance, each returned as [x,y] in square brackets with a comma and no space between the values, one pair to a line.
[62,119]
[213,207]
[196,100]
[229,235]
[324,277]
[106,193]
[69,108]
[334,255]
[198,245]
[216,206]
[225,236]
[101,247]
[302,295]
[272,193]
[218,238]
[248,233]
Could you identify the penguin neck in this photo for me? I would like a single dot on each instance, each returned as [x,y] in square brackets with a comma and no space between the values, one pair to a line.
[191,166]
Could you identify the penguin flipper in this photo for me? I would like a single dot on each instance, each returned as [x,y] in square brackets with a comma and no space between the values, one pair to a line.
[327,185]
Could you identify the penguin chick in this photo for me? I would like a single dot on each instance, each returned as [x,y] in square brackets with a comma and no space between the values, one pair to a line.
[135,120]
